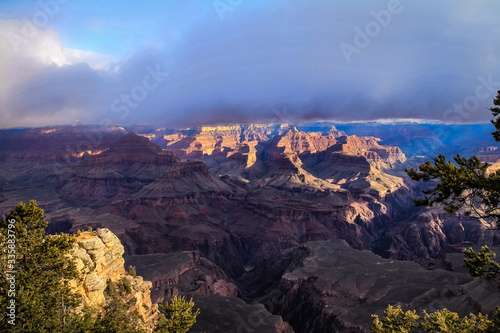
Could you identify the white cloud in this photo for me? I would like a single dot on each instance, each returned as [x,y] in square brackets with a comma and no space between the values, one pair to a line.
[27,56]
[261,58]
[94,60]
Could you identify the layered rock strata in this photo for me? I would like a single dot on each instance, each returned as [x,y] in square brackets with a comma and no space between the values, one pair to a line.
[182,273]
[99,258]
[187,274]
[326,286]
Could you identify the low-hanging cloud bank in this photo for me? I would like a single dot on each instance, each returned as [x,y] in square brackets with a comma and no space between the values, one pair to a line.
[278,62]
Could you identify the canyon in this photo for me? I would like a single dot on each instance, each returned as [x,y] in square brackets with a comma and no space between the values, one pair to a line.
[270,228]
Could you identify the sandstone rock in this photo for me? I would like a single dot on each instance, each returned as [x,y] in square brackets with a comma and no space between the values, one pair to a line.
[125,167]
[99,258]
[182,273]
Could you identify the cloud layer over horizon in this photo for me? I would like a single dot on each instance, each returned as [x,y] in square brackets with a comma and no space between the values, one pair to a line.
[268,61]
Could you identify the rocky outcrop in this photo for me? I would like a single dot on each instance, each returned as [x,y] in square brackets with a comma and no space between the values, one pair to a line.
[56,144]
[424,235]
[285,157]
[98,257]
[220,314]
[372,150]
[334,288]
[295,141]
[124,168]
[208,140]
[257,133]
[182,273]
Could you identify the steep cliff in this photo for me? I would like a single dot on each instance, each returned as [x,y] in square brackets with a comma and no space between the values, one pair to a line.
[99,258]
[424,235]
[182,273]
[190,275]
[327,286]
[129,164]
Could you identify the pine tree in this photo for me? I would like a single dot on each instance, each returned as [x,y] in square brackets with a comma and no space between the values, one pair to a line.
[395,320]
[115,317]
[42,272]
[465,184]
[181,316]
[44,301]
[481,264]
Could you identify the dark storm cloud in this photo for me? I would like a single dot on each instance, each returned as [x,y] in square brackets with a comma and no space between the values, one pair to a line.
[287,62]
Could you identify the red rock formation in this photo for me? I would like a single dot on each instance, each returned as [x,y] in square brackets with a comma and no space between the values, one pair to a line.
[125,167]
[56,144]
[242,205]
[182,273]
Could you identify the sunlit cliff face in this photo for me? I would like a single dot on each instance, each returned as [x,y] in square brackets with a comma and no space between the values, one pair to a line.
[89,152]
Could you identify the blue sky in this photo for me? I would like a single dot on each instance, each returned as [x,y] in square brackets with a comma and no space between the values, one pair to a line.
[114,27]
[231,61]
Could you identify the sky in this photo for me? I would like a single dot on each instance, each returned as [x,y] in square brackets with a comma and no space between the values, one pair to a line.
[186,63]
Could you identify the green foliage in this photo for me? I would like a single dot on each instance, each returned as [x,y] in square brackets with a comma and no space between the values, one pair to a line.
[496,113]
[43,271]
[465,184]
[394,320]
[44,300]
[110,288]
[132,271]
[124,286]
[481,263]
[495,319]
[445,321]
[181,316]
[116,319]
[115,316]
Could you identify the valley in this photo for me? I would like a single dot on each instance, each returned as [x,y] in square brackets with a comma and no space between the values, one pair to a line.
[306,228]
